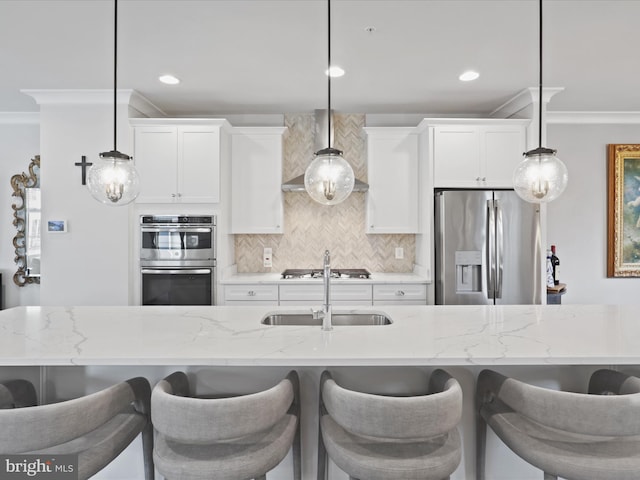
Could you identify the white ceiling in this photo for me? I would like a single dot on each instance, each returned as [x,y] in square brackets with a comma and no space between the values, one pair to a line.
[269,56]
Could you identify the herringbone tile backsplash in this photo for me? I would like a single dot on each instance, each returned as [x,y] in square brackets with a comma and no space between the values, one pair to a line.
[311,228]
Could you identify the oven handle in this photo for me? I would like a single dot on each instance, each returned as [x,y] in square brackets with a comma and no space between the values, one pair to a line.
[180,271]
[176,229]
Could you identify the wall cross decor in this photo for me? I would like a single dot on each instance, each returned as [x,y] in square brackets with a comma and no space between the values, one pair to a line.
[84,164]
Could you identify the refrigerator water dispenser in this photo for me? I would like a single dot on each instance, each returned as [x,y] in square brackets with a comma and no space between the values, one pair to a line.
[468,271]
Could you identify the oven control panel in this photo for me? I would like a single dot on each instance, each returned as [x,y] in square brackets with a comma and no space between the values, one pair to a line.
[177,220]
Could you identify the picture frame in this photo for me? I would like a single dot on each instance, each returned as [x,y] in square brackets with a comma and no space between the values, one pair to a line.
[623,210]
[56,226]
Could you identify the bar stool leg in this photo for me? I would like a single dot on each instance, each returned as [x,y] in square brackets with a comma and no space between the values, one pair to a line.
[297,455]
[147,452]
[322,459]
[481,446]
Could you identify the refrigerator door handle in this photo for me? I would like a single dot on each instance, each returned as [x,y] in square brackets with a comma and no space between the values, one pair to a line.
[499,243]
[491,249]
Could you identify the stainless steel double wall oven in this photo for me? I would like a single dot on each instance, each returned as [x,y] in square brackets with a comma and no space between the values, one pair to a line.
[178,259]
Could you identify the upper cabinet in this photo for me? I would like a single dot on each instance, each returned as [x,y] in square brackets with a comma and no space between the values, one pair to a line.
[477,155]
[393,176]
[178,160]
[256,179]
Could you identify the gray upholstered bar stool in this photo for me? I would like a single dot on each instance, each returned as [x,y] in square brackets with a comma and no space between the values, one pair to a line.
[576,436]
[229,438]
[96,427]
[376,437]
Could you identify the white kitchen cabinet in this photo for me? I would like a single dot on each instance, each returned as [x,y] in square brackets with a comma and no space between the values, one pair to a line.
[251,294]
[400,294]
[256,179]
[393,176]
[477,155]
[313,295]
[178,161]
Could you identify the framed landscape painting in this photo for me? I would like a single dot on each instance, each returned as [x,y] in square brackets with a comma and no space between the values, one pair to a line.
[623,212]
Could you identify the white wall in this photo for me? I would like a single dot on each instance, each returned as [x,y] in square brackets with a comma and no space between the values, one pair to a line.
[577,221]
[20,142]
[89,265]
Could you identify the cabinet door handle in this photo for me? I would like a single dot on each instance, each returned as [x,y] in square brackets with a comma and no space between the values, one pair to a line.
[477,179]
[251,293]
[173,195]
[400,293]
[179,195]
[484,179]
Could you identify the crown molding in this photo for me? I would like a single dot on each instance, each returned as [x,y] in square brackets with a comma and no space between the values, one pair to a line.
[138,104]
[523,99]
[19,118]
[77,97]
[161,121]
[594,118]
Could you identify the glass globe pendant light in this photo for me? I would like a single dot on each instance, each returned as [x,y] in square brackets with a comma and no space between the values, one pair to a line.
[113,179]
[541,177]
[329,178]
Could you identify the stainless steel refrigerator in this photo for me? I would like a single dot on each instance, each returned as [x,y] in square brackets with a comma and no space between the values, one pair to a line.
[487,248]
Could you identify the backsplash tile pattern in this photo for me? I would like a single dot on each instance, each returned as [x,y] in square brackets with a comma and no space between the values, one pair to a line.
[311,228]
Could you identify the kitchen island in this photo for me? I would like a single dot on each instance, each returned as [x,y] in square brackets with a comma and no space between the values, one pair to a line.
[555,345]
[419,335]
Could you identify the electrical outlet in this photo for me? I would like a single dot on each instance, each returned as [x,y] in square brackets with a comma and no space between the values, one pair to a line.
[399,253]
[267,257]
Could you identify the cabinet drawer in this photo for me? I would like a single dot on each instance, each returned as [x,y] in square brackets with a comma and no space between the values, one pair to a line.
[301,292]
[347,293]
[251,303]
[251,292]
[400,292]
[315,293]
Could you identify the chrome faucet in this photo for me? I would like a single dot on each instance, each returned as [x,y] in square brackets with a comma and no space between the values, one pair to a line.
[326,278]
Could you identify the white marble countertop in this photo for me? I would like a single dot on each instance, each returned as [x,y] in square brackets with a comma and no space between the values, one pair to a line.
[276,278]
[420,335]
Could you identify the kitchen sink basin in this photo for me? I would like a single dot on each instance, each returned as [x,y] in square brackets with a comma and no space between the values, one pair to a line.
[338,319]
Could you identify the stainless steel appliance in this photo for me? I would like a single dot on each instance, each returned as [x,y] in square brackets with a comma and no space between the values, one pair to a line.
[487,248]
[318,273]
[178,259]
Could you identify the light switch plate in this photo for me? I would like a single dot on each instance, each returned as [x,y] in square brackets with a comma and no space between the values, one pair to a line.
[399,253]
[267,257]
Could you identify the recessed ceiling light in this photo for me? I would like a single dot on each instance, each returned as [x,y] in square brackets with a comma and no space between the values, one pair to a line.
[334,71]
[169,79]
[468,76]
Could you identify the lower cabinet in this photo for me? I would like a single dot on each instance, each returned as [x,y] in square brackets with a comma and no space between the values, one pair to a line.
[312,295]
[246,294]
[400,294]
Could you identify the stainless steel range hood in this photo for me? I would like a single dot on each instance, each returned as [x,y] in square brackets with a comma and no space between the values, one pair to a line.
[322,136]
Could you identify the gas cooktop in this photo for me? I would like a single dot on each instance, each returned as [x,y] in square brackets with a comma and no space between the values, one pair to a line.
[317,273]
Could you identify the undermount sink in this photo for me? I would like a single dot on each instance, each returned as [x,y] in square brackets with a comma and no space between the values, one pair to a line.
[338,319]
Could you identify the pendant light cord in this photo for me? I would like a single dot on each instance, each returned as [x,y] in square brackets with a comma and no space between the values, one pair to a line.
[540,84]
[115,73]
[329,72]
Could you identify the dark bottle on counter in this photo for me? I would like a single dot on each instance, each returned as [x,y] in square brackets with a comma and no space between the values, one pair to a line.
[555,263]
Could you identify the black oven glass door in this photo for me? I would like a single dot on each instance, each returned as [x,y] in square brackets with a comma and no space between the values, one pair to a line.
[183,286]
[177,243]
